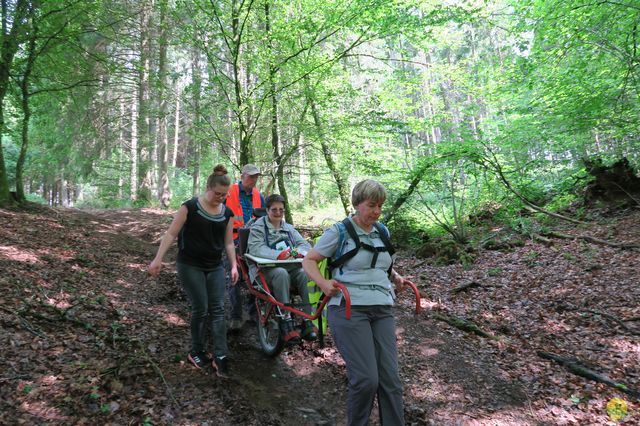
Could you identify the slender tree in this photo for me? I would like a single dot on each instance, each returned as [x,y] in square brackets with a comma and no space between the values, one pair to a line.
[13,24]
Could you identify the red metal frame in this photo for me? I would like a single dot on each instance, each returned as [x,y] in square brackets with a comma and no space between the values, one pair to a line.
[242,263]
[417,294]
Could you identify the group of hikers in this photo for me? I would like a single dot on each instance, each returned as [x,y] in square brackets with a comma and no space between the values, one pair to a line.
[359,255]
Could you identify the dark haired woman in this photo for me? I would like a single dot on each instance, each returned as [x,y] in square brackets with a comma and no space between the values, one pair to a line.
[204,229]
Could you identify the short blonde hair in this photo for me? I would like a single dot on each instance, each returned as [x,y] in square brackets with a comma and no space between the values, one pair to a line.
[368,190]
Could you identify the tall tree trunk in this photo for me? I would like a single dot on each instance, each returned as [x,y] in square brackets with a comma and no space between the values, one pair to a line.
[145,141]
[245,156]
[343,189]
[302,169]
[164,192]
[121,147]
[8,48]
[275,136]
[195,130]
[176,134]
[64,189]
[133,178]
[313,176]
[26,110]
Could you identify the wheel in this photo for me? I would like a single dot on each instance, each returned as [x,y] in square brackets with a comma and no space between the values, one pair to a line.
[271,340]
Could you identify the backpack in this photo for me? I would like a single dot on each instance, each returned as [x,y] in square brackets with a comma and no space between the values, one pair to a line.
[327,265]
[339,258]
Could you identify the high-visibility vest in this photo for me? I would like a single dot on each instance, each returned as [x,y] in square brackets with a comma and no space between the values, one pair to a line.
[315,293]
[233,202]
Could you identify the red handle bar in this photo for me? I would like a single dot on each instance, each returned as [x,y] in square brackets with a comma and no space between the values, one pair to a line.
[417,293]
[347,298]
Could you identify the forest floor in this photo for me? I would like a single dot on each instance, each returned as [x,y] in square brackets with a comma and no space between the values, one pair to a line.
[88,338]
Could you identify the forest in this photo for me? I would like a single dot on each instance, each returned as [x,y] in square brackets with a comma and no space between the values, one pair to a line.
[505,132]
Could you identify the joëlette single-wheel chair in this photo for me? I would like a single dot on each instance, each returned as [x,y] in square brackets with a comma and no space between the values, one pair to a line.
[270,310]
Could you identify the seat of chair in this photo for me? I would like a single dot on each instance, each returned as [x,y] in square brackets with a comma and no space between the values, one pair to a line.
[261,261]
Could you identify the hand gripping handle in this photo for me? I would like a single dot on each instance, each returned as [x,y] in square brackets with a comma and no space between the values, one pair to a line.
[347,298]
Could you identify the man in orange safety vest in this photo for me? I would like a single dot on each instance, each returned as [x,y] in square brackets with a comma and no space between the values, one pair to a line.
[242,199]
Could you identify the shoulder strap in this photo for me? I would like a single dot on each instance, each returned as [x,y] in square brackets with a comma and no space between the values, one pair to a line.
[340,258]
[341,238]
[384,236]
[346,222]
[266,229]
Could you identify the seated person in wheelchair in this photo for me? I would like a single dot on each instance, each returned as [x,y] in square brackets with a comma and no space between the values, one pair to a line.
[272,238]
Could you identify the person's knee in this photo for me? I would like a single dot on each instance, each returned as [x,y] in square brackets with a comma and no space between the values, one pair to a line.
[216,308]
[365,385]
[303,289]
[279,275]
[279,279]
[199,312]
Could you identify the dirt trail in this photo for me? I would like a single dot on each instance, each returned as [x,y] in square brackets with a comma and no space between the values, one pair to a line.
[89,338]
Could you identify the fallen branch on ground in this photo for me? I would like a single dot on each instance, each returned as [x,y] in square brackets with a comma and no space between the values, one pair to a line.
[464,325]
[574,366]
[544,240]
[464,287]
[309,229]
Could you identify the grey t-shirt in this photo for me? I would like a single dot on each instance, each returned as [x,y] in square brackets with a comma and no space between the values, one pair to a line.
[366,285]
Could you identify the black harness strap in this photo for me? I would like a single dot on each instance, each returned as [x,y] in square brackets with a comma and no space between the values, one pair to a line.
[273,246]
[375,250]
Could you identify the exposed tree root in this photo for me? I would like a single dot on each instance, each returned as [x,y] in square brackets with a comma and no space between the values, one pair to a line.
[544,240]
[574,366]
[466,286]
[464,325]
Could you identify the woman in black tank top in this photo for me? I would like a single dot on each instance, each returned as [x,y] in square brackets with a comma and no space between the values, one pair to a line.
[204,229]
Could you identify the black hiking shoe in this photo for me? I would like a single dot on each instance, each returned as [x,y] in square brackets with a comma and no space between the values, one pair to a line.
[289,333]
[221,365]
[199,360]
[309,331]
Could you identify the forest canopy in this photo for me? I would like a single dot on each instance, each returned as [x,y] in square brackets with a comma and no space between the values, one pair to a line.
[452,105]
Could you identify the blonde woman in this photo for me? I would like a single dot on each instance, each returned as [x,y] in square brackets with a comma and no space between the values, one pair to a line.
[366,341]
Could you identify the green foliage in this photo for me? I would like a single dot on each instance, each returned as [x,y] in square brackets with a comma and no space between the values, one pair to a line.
[494,272]
[94,394]
[459,97]
[11,152]
[181,188]
[525,225]
[531,257]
